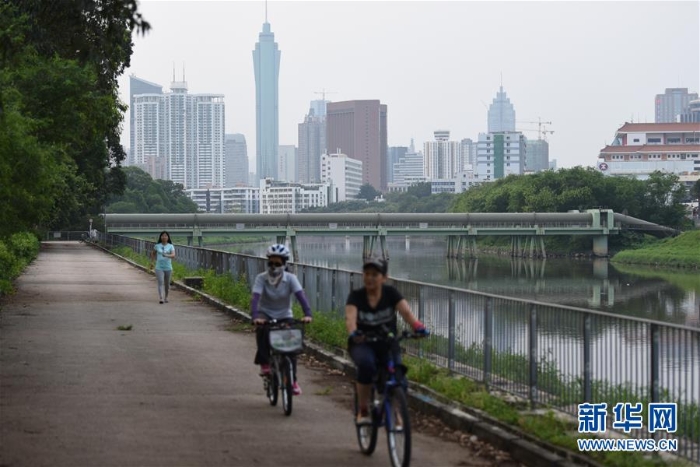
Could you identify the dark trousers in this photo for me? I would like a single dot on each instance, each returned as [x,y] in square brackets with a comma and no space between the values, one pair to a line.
[262,356]
[368,357]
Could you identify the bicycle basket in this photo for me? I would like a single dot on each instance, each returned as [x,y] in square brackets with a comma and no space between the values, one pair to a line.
[287,340]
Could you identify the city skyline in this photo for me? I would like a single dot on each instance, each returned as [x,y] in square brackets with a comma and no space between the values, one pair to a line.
[552,79]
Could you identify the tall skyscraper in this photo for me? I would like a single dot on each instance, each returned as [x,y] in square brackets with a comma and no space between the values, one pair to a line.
[443,158]
[537,155]
[180,136]
[312,144]
[672,104]
[266,61]
[468,153]
[359,129]
[236,150]
[148,134]
[138,86]
[501,116]
[287,163]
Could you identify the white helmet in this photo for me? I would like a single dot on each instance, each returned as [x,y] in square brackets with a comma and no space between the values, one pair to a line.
[278,250]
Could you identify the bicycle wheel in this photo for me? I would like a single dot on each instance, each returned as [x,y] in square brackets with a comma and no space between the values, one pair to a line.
[272,385]
[398,428]
[366,434]
[286,385]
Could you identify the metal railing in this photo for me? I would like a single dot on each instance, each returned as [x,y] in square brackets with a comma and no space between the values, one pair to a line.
[66,235]
[546,354]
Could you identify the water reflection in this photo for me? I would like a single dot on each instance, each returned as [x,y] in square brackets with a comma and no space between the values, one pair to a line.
[584,283]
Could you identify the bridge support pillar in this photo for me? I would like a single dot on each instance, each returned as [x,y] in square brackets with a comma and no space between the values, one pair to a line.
[408,243]
[600,246]
[200,241]
[382,244]
[282,239]
[368,246]
[189,240]
[295,250]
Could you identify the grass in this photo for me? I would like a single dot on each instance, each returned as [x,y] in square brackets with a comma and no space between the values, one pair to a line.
[128,327]
[682,251]
[328,329]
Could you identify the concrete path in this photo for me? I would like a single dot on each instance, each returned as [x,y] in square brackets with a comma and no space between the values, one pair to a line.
[176,390]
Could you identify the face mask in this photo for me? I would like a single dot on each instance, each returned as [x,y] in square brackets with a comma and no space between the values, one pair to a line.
[275,271]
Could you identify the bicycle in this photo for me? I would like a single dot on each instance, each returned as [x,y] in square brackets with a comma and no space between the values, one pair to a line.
[285,341]
[390,409]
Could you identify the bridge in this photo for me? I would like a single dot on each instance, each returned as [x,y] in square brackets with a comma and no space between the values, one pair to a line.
[527,230]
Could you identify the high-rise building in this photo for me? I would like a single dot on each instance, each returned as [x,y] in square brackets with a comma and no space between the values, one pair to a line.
[499,155]
[180,136]
[408,170]
[319,107]
[537,158]
[312,144]
[468,154]
[501,115]
[137,86]
[394,155]
[343,174]
[692,114]
[359,129]
[287,163]
[673,103]
[266,61]
[236,150]
[442,157]
[148,135]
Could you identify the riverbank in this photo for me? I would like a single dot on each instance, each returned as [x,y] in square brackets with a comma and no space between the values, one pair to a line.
[677,252]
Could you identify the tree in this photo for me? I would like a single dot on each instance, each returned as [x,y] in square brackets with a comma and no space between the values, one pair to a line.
[368,192]
[59,107]
[695,191]
[143,194]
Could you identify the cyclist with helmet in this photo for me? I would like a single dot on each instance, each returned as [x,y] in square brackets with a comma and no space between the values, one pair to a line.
[272,299]
[372,309]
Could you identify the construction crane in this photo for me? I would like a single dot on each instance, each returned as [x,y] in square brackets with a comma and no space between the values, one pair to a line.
[541,128]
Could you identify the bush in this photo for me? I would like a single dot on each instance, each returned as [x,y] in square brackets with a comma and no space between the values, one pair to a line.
[16,253]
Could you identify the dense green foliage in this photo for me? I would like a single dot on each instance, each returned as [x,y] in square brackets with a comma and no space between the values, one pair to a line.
[143,194]
[15,254]
[416,199]
[60,115]
[368,192]
[657,199]
[681,251]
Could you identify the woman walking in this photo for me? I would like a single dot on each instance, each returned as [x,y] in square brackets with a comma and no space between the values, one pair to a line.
[163,253]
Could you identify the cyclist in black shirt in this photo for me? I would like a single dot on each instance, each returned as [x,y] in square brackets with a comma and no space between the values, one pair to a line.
[370,309]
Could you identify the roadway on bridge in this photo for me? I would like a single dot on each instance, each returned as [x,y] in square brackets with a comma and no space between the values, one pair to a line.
[177,390]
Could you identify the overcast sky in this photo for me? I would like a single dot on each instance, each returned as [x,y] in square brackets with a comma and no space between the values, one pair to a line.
[585,66]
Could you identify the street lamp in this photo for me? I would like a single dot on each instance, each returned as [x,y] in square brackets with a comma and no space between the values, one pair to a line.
[90,232]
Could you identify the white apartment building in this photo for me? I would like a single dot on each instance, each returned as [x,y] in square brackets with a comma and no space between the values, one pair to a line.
[408,171]
[343,174]
[235,200]
[290,198]
[499,155]
[443,158]
[462,181]
[180,136]
[639,149]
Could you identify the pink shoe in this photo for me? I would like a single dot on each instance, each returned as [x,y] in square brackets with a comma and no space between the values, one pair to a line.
[296,389]
[264,370]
